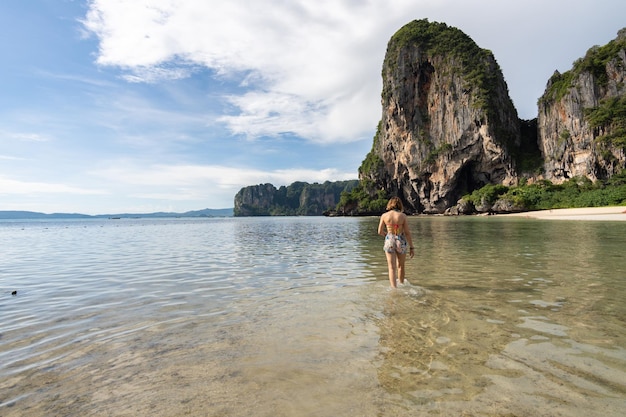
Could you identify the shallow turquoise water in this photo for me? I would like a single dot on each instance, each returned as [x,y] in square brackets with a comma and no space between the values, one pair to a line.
[294,317]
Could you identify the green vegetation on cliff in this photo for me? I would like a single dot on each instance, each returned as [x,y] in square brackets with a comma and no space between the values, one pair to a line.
[543,195]
[367,197]
[594,62]
[610,116]
[361,200]
[439,39]
[372,162]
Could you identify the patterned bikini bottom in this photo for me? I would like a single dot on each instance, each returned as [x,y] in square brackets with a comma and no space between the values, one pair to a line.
[395,244]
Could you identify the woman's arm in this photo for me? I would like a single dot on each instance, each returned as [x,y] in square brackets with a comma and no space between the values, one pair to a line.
[409,237]
[382,228]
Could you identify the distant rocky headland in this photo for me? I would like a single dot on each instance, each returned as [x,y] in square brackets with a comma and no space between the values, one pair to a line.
[297,199]
[449,127]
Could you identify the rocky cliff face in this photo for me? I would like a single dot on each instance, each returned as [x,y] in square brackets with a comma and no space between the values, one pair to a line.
[581,116]
[299,198]
[255,200]
[448,125]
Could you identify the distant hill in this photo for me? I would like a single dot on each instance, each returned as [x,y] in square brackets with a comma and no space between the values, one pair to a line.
[36,215]
[228,212]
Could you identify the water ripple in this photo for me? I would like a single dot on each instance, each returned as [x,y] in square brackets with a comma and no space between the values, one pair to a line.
[167,317]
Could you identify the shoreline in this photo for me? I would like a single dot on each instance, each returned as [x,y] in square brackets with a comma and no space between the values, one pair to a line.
[613,213]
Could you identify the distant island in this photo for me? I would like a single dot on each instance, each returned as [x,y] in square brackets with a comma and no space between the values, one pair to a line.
[16,215]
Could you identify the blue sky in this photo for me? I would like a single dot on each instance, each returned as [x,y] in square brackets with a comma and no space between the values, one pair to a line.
[111,106]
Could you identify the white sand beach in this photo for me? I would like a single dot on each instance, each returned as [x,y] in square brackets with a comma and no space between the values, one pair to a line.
[615,213]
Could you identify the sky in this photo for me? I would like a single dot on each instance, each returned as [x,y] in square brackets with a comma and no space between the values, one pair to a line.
[116,106]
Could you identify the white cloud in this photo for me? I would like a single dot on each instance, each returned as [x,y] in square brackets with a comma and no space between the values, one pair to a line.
[156,74]
[312,68]
[10,186]
[304,63]
[25,136]
[203,178]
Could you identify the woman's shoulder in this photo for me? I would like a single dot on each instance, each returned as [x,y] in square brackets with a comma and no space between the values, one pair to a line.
[395,217]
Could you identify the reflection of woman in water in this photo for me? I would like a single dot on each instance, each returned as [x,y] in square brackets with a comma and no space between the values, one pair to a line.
[398,241]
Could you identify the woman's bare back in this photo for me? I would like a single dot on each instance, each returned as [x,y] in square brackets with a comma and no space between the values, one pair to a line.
[394,222]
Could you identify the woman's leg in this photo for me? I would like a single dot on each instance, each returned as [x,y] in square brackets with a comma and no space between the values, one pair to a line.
[392,267]
[401,269]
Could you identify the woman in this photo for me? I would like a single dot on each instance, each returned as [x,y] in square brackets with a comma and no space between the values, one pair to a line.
[398,240]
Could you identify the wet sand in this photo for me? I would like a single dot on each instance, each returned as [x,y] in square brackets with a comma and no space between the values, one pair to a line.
[616,213]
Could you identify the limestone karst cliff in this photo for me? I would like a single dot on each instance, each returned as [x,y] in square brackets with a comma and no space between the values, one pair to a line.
[582,116]
[299,198]
[448,125]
